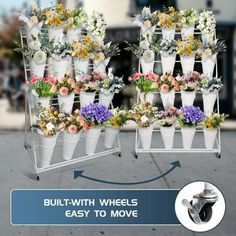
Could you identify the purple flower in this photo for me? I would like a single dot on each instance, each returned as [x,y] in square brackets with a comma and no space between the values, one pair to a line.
[96,113]
[191,115]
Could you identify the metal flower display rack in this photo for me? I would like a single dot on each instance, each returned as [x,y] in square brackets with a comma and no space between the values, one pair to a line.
[31,143]
[156,144]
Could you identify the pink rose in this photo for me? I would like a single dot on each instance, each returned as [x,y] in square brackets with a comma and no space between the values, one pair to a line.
[77,90]
[163,77]
[153,76]
[136,76]
[61,80]
[64,91]
[172,109]
[70,80]
[72,129]
[34,80]
[165,88]
[130,79]
[46,80]
[52,80]
[53,88]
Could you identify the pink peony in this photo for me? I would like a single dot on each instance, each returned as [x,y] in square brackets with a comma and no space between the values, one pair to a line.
[34,80]
[53,88]
[64,91]
[72,129]
[165,88]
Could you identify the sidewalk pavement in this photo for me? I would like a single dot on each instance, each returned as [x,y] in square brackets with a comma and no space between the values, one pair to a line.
[16,171]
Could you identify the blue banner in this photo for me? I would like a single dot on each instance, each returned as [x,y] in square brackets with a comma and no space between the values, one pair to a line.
[93,207]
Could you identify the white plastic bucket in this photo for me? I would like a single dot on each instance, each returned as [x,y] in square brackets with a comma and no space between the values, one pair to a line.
[66,103]
[167,134]
[69,144]
[110,136]
[187,136]
[105,99]
[86,98]
[145,134]
[187,98]
[168,63]
[168,98]
[92,137]
[209,137]
[187,63]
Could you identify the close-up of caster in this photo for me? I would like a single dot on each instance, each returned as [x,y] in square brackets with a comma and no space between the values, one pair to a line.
[119,155]
[37,178]
[136,156]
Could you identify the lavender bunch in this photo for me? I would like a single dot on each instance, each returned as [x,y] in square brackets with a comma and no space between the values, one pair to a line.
[190,116]
[95,114]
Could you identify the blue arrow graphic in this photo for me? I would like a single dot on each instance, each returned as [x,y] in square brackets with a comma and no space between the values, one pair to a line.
[79,173]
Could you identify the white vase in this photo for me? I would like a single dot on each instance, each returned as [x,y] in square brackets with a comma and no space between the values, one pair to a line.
[187,63]
[73,34]
[69,144]
[209,137]
[105,99]
[86,98]
[209,101]
[168,33]
[146,97]
[187,136]
[167,134]
[60,67]
[100,66]
[167,98]
[92,137]
[37,69]
[168,62]
[145,134]
[187,98]
[56,34]
[46,148]
[66,102]
[208,65]
[146,66]
[110,136]
[187,31]
[80,65]
[44,101]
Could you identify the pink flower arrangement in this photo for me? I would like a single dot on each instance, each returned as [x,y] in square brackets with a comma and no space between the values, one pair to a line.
[73,123]
[145,82]
[66,85]
[167,83]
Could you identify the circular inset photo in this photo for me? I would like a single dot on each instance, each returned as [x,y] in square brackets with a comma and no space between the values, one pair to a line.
[200,206]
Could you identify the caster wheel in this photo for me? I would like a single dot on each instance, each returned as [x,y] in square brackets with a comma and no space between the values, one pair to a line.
[119,154]
[136,156]
[206,212]
[37,178]
[219,156]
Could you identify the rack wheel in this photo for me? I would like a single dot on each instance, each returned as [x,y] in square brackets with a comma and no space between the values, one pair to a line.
[119,154]
[136,156]
[37,178]
[219,155]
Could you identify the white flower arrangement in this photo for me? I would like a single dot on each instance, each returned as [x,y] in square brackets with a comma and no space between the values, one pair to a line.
[208,85]
[188,17]
[60,50]
[76,18]
[207,23]
[96,25]
[148,55]
[168,46]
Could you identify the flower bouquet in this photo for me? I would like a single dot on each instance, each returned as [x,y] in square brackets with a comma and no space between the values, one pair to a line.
[76,20]
[207,26]
[102,55]
[66,89]
[187,49]
[43,89]
[167,86]
[33,19]
[81,52]
[146,20]
[167,121]
[108,87]
[113,125]
[143,115]
[60,53]
[210,88]
[188,18]
[96,26]
[55,19]
[144,51]
[167,21]
[72,126]
[208,53]
[145,85]
[189,85]
[167,50]
[48,126]
[89,85]
[189,117]
[211,123]
[96,115]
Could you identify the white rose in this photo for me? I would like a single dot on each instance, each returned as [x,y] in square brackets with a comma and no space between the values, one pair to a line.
[35,45]
[40,57]
[144,44]
[146,10]
[50,126]
[144,119]
[148,56]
